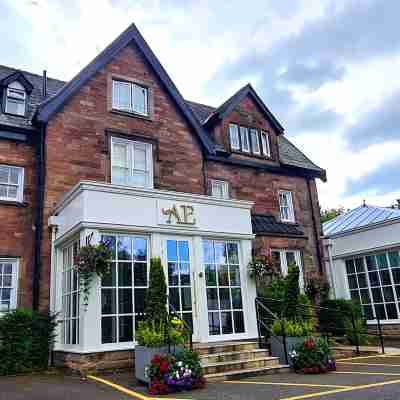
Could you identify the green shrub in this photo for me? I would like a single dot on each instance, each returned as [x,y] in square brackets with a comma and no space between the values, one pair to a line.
[156,295]
[292,328]
[150,334]
[356,334]
[334,315]
[293,292]
[26,338]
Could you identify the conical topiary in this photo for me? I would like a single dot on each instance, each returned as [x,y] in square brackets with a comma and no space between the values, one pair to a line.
[156,295]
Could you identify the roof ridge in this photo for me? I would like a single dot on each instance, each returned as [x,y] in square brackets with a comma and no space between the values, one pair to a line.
[30,73]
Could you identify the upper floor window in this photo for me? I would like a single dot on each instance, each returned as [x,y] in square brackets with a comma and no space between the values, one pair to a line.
[255,142]
[130,97]
[265,144]
[286,206]
[8,284]
[15,99]
[219,189]
[11,183]
[131,163]
[249,140]
[234,136]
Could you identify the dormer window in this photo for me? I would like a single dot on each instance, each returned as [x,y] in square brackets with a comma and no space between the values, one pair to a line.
[249,140]
[15,99]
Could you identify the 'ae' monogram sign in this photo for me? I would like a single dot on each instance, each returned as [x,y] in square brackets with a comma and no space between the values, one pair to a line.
[179,214]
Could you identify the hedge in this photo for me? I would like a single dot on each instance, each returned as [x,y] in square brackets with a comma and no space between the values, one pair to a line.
[26,338]
[336,319]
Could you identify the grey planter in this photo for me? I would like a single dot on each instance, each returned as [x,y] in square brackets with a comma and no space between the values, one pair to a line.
[277,349]
[143,357]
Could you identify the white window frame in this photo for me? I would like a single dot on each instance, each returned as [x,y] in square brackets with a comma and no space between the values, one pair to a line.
[14,283]
[266,148]
[15,93]
[132,107]
[289,206]
[20,185]
[234,137]
[131,146]
[285,267]
[244,134]
[255,141]
[215,183]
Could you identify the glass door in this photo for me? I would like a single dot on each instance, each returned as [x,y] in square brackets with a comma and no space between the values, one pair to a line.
[180,278]
[223,289]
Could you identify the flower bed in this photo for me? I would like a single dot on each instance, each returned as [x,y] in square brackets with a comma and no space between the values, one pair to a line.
[313,356]
[174,373]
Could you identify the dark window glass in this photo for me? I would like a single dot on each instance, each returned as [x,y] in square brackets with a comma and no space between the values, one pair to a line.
[125,301]
[362,280]
[226,322]
[382,261]
[238,321]
[173,274]
[394,259]
[186,299]
[350,268]
[140,296]
[359,265]
[352,282]
[212,299]
[385,277]
[224,299]
[236,298]
[124,274]
[211,278]
[391,311]
[368,313]
[140,274]
[213,323]
[388,293]
[223,277]
[108,301]
[380,311]
[174,298]
[365,298]
[108,329]
[126,328]
[111,278]
[377,295]
[185,274]
[374,278]
[354,295]
[371,263]
[396,275]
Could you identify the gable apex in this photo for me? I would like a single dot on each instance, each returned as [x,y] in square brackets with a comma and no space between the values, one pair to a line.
[229,105]
[131,35]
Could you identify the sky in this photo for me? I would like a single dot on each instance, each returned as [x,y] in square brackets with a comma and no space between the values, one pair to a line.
[328,70]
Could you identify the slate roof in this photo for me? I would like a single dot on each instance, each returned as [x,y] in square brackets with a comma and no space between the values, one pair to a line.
[53,86]
[360,217]
[268,225]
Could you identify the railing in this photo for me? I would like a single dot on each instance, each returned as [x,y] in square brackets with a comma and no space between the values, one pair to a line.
[353,327]
[173,313]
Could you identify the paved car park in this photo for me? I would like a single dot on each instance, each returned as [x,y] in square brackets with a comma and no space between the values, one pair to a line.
[365,378]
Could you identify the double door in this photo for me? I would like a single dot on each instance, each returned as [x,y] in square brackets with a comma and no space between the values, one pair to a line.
[205,286]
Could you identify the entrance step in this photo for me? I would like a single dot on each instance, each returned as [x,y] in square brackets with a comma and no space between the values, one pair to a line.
[224,347]
[234,360]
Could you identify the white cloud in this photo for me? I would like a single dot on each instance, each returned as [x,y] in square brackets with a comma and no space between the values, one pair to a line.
[193,39]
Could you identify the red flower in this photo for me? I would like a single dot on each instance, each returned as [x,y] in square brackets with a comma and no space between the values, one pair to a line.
[164,366]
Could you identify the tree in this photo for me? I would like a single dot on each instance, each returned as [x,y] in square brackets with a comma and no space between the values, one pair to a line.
[156,295]
[331,213]
[293,291]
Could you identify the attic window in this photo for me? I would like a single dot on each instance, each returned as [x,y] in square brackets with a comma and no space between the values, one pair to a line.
[130,97]
[15,99]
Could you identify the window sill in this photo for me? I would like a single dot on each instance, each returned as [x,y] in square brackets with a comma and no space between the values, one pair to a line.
[13,203]
[131,114]
[252,155]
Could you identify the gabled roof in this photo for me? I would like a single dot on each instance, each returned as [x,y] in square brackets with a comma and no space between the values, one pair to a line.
[360,217]
[130,35]
[268,225]
[20,77]
[229,105]
[33,100]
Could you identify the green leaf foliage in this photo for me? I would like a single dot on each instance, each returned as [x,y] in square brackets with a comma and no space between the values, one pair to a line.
[26,338]
[156,295]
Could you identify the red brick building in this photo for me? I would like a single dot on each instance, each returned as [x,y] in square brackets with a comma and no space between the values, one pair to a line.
[110,154]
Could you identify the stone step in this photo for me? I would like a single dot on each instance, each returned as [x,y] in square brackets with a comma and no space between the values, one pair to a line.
[239,365]
[233,356]
[228,347]
[246,373]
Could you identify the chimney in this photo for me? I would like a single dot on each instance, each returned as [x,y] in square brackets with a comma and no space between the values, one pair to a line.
[44,84]
[398,203]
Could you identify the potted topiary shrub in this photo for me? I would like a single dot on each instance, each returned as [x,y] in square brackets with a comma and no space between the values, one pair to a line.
[159,334]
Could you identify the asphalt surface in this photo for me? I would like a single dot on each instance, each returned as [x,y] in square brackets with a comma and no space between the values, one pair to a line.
[361,378]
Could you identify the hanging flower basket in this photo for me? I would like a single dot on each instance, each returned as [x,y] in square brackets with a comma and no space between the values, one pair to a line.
[92,260]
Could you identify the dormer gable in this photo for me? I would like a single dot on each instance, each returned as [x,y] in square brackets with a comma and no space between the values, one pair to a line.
[17,78]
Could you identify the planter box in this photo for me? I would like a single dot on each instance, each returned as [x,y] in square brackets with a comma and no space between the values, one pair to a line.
[143,357]
[277,349]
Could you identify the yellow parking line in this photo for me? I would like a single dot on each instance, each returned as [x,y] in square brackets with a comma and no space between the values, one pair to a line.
[348,389]
[311,385]
[368,364]
[124,390]
[366,373]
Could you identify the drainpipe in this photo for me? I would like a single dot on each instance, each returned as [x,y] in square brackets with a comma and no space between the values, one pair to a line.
[330,263]
[41,156]
[53,269]
[316,233]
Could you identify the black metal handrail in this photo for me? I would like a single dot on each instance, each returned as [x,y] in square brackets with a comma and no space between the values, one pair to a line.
[187,327]
[312,311]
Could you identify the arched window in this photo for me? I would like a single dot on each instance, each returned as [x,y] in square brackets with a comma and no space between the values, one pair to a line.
[15,99]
